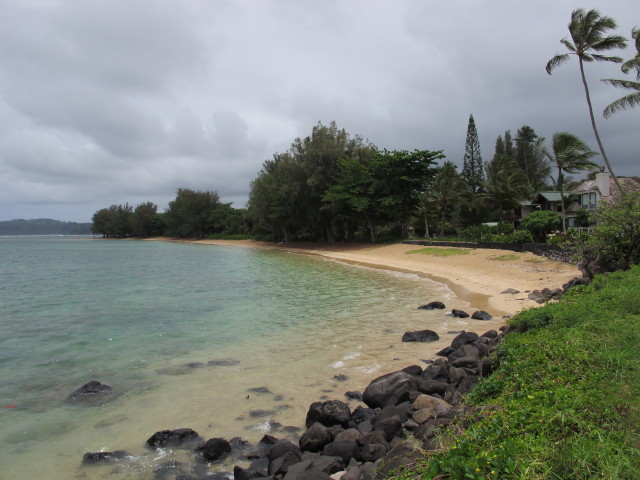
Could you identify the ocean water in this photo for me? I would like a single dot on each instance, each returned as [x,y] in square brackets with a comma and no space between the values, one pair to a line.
[229,341]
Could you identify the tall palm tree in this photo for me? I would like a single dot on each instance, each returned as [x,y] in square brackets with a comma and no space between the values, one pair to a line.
[588,32]
[633,99]
[570,155]
[506,184]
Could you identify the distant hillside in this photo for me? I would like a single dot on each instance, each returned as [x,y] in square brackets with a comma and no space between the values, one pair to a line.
[43,226]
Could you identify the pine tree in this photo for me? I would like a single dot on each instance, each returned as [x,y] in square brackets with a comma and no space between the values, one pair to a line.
[508,146]
[473,169]
[499,147]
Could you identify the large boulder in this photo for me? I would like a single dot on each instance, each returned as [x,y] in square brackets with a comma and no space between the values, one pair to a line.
[344,449]
[282,447]
[172,437]
[390,389]
[315,438]
[421,336]
[329,413]
[481,315]
[464,338]
[459,313]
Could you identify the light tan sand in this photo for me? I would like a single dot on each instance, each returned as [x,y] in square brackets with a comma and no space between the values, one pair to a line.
[479,277]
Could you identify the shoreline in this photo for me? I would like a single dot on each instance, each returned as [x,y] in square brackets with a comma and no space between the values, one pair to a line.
[478,277]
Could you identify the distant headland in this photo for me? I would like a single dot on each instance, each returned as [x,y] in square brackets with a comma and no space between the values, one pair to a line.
[43,226]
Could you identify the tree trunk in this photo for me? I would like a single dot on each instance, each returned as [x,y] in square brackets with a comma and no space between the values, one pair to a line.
[426,225]
[562,209]
[595,130]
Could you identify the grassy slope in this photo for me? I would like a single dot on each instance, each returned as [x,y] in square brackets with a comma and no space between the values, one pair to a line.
[565,402]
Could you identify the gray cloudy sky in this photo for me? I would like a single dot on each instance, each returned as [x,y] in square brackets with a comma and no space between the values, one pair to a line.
[114,101]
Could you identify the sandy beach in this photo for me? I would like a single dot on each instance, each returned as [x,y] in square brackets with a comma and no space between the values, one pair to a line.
[479,276]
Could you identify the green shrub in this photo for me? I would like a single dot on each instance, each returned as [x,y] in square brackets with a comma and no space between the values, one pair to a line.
[541,223]
[519,236]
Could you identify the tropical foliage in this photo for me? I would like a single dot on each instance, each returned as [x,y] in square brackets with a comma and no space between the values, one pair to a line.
[570,155]
[589,32]
[633,99]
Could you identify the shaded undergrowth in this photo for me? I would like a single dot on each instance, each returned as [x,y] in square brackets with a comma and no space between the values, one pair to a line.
[565,400]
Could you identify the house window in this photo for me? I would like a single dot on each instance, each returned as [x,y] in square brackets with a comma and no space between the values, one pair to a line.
[584,200]
[592,200]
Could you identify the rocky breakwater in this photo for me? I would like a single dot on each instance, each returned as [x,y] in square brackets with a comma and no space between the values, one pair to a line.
[364,444]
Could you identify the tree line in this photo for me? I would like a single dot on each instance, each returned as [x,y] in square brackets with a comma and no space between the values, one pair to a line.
[331,186]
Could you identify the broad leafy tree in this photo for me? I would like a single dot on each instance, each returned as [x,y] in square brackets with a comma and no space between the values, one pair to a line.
[383,187]
[115,221]
[447,189]
[190,214]
[588,30]
[541,223]
[145,221]
[472,169]
[286,199]
[633,99]
[569,155]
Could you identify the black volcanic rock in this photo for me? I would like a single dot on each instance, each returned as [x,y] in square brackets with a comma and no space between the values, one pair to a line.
[432,306]
[420,336]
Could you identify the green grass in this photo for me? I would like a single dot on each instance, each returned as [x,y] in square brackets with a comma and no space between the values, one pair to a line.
[441,251]
[506,257]
[565,401]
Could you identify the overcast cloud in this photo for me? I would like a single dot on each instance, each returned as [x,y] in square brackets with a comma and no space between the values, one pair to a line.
[116,101]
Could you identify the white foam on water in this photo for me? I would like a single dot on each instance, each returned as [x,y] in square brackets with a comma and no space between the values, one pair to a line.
[264,427]
[369,368]
[337,364]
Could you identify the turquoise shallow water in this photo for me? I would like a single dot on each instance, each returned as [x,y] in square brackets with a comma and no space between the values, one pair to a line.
[135,314]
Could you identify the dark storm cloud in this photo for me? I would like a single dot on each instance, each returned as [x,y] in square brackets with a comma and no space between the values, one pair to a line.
[111,101]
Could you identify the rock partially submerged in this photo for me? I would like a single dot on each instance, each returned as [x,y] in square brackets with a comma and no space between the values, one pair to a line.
[420,336]
[481,315]
[366,443]
[172,437]
[92,393]
[432,306]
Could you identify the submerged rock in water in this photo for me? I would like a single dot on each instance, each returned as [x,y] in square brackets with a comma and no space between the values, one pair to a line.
[183,369]
[228,362]
[91,393]
[100,457]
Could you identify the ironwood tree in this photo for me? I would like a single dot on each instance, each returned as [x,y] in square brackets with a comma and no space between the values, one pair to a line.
[473,169]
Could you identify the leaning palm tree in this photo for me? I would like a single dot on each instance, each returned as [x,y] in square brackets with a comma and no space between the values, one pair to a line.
[633,99]
[588,32]
[570,155]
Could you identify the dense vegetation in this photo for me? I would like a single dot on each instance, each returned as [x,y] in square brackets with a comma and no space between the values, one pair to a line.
[331,186]
[43,226]
[565,400]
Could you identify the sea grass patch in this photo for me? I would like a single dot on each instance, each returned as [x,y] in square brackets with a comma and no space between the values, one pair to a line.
[441,251]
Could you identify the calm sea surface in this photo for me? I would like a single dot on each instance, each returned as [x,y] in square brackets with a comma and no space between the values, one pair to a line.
[228,341]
